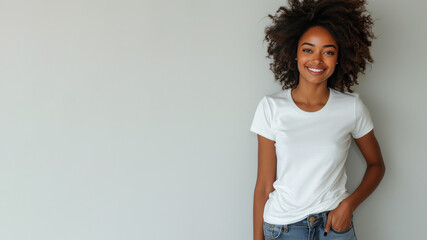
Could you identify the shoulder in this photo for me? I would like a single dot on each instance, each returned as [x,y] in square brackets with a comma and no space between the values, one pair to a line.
[277,96]
[276,100]
[345,95]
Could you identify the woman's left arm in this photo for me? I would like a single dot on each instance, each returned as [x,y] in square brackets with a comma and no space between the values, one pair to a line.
[340,217]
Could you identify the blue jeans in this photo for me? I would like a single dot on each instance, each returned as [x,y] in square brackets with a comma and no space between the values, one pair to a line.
[311,228]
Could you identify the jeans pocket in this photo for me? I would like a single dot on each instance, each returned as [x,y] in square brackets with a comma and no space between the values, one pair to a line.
[344,231]
[272,231]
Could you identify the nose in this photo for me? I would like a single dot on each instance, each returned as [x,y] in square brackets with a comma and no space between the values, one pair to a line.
[317,58]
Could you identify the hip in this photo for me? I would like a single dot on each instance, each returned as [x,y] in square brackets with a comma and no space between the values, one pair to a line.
[312,227]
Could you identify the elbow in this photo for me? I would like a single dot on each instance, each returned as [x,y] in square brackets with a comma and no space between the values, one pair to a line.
[382,167]
[382,173]
[379,167]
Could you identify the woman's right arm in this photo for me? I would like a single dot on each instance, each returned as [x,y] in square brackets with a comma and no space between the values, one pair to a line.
[266,176]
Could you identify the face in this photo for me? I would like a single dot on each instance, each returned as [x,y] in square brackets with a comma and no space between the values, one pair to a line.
[317,56]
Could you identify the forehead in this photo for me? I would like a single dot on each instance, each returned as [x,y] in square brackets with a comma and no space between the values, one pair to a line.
[317,36]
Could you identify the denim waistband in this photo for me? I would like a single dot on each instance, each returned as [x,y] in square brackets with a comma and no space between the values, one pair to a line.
[312,220]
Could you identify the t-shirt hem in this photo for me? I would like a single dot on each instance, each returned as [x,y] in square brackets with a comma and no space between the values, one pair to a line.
[363,133]
[326,206]
[271,137]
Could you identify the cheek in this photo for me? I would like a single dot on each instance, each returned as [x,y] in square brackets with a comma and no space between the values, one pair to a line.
[334,65]
[300,62]
[300,66]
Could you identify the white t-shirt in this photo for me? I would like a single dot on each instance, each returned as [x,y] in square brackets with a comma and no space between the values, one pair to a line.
[311,150]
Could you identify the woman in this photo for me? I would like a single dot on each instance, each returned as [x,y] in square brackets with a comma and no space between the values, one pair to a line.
[305,131]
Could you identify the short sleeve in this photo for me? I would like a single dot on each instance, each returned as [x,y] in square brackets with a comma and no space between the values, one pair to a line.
[261,123]
[363,121]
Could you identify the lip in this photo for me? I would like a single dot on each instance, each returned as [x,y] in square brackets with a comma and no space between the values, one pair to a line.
[316,72]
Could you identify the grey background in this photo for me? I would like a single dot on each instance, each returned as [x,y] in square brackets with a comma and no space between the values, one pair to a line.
[130,119]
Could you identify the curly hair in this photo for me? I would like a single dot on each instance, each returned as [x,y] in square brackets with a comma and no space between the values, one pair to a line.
[346,20]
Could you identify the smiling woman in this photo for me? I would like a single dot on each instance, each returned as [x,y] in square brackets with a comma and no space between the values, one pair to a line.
[316,55]
[304,132]
[347,22]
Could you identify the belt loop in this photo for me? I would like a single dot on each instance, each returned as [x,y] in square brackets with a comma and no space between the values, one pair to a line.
[285,228]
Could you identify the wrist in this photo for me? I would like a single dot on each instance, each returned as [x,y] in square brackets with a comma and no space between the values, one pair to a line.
[350,204]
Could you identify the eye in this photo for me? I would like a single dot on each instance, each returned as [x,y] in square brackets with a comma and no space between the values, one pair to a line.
[307,50]
[331,53]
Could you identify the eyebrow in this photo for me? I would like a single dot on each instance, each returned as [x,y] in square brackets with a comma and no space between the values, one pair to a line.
[325,46]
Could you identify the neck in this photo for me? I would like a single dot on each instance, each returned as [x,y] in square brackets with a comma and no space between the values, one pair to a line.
[311,94]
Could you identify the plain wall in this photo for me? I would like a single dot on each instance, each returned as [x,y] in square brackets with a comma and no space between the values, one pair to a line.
[130,119]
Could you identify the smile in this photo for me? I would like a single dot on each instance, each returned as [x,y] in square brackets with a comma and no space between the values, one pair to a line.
[316,69]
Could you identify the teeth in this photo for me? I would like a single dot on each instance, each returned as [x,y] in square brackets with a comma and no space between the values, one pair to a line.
[315,70]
